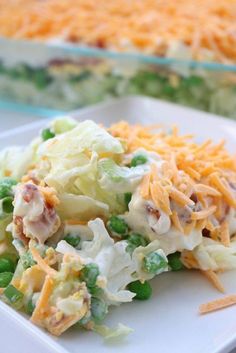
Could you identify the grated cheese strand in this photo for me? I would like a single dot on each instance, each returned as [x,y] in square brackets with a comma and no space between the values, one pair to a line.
[214,279]
[217,304]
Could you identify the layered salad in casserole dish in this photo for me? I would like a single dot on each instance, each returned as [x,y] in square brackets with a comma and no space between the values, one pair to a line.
[179,51]
[89,215]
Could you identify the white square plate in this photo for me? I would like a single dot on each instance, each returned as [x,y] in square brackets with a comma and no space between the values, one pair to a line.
[169,322]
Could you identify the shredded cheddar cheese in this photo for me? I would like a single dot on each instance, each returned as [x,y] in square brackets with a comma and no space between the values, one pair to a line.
[150,26]
[224,233]
[200,179]
[42,303]
[214,279]
[217,304]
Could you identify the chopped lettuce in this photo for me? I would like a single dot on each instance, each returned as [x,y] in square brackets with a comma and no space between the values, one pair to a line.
[63,124]
[117,178]
[114,263]
[212,255]
[71,164]
[108,333]
[86,136]
[81,207]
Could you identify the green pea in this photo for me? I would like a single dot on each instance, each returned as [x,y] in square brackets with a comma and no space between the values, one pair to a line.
[6,185]
[14,296]
[6,265]
[7,205]
[89,274]
[47,134]
[95,290]
[27,260]
[127,198]
[153,262]
[174,261]
[138,160]
[143,291]
[41,78]
[135,240]
[5,279]
[29,308]
[72,239]
[117,225]
[98,309]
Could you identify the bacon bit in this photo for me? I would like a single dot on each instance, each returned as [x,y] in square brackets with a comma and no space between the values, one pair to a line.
[19,228]
[42,264]
[180,198]
[203,214]
[28,192]
[42,303]
[224,234]
[214,279]
[217,304]
[154,212]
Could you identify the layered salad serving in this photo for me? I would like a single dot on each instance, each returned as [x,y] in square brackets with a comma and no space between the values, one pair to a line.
[89,215]
[137,33]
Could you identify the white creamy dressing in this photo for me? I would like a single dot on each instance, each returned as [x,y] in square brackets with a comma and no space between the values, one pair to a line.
[158,226]
[170,238]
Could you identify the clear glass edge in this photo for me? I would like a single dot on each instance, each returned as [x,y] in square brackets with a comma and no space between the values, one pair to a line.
[28,109]
[143,58]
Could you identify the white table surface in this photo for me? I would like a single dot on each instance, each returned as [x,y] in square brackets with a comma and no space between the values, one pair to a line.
[9,121]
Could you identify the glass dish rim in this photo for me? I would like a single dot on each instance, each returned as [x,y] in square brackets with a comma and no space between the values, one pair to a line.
[126,56]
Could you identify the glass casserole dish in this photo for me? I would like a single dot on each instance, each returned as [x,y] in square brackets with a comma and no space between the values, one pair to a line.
[66,76]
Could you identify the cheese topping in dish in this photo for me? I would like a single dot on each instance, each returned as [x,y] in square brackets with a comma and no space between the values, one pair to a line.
[207,27]
[96,213]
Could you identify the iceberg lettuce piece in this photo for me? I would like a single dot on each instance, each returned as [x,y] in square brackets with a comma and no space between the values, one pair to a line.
[119,179]
[212,255]
[63,124]
[86,136]
[15,161]
[109,333]
[70,163]
[80,207]
[114,263]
